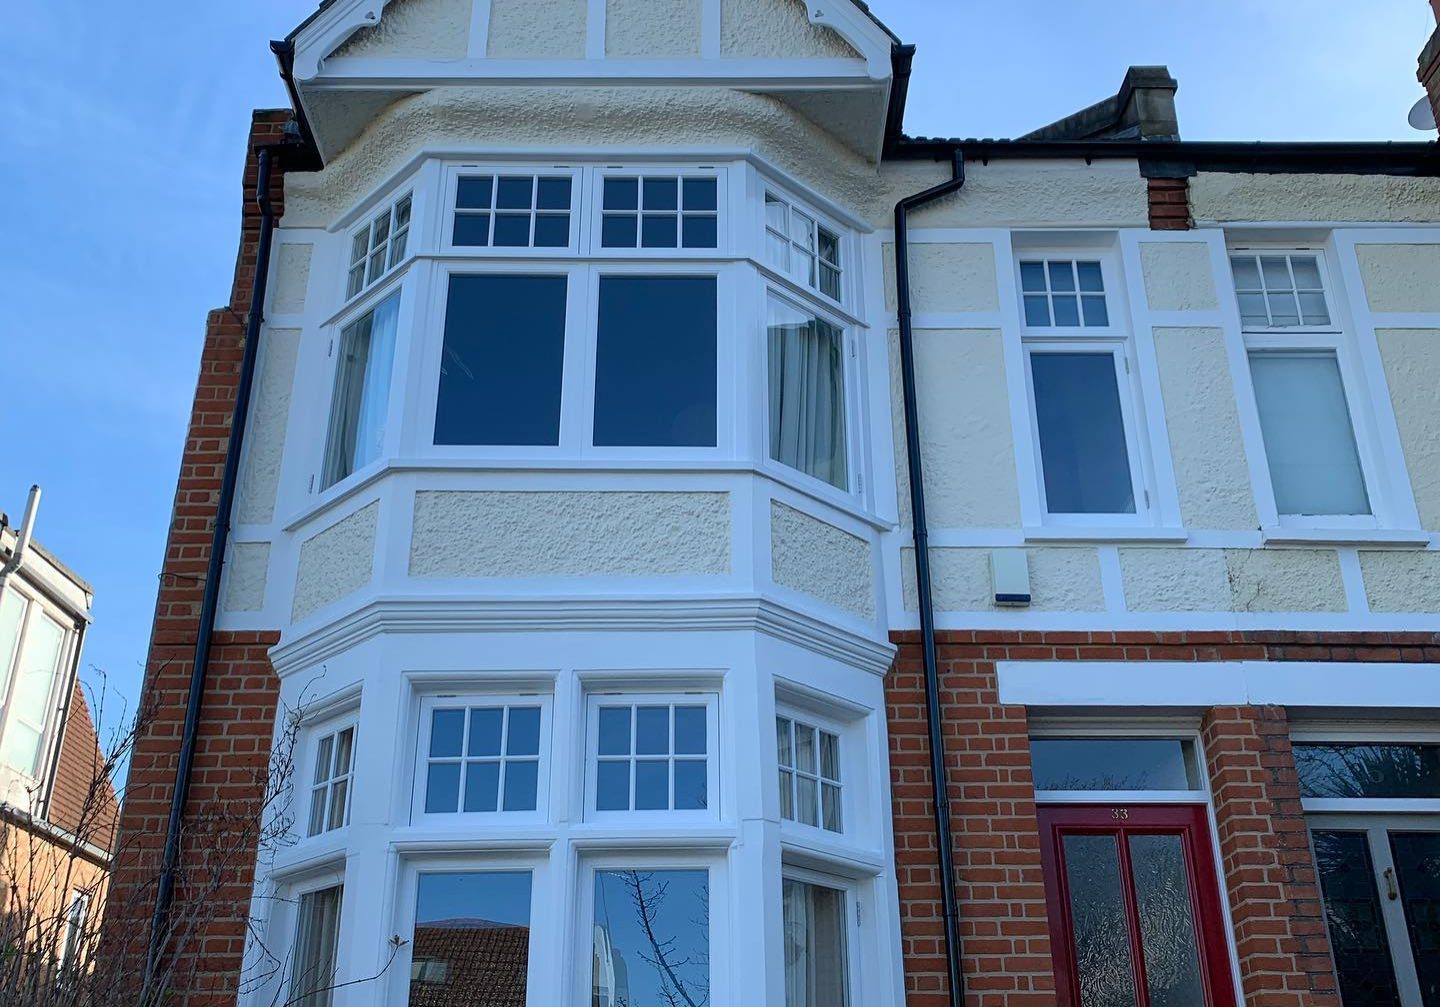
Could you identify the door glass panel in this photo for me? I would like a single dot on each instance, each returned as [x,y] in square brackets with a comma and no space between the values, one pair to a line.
[1417,867]
[1097,912]
[1167,921]
[1357,929]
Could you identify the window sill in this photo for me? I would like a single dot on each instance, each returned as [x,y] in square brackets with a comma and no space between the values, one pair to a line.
[1062,533]
[828,853]
[1345,536]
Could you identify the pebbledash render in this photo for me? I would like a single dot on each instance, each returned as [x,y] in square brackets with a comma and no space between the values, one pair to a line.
[572,548]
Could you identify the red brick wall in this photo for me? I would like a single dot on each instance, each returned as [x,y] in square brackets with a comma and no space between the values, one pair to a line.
[238,711]
[1004,927]
[1170,204]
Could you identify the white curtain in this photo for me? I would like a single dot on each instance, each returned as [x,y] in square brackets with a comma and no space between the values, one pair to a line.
[807,394]
[362,391]
[797,927]
[375,393]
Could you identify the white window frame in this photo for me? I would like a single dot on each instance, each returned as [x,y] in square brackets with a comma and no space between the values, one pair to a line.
[724,211]
[317,733]
[544,956]
[1103,731]
[461,819]
[818,221]
[856,911]
[286,926]
[451,174]
[1377,734]
[657,860]
[1115,339]
[15,785]
[1336,338]
[844,741]
[367,227]
[653,819]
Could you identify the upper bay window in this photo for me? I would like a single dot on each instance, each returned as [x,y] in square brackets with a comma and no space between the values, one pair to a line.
[512,211]
[1083,400]
[360,403]
[651,754]
[378,247]
[801,247]
[482,756]
[660,211]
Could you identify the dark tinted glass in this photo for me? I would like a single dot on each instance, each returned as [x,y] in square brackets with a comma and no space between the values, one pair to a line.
[658,231]
[1404,771]
[554,194]
[474,193]
[1417,867]
[661,193]
[622,193]
[472,229]
[1112,764]
[1352,910]
[500,373]
[700,193]
[655,366]
[512,230]
[618,231]
[1082,435]
[515,193]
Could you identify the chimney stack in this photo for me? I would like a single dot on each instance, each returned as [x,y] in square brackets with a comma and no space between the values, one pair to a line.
[1429,72]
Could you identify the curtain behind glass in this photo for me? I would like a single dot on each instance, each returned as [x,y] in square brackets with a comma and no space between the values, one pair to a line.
[316,938]
[816,958]
[362,391]
[807,394]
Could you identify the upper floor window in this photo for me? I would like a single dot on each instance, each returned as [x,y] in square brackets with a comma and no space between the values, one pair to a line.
[1280,290]
[32,647]
[651,755]
[483,757]
[330,790]
[660,211]
[361,399]
[378,247]
[1063,293]
[806,383]
[512,211]
[801,247]
[809,760]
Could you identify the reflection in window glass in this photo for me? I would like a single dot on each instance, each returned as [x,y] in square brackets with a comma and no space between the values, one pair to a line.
[651,938]
[1309,440]
[807,393]
[655,362]
[361,400]
[317,931]
[1083,451]
[502,362]
[483,759]
[652,758]
[472,939]
[1114,764]
[816,959]
[1417,871]
[1368,771]
[12,614]
[1352,911]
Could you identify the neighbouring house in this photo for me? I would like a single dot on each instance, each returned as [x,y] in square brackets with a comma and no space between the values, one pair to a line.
[57,804]
[674,512]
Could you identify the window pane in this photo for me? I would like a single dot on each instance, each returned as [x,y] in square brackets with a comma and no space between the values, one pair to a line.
[512,230]
[1275,272]
[1247,273]
[1113,764]
[618,231]
[442,788]
[324,754]
[1097,915]
[614,730]
[690,730]
[486,724]
[656,361]
[1067,311]
[829,756]
[447,729]
[1368,771]
[830,818]
[1283,310]
[701,231]
[787,795]
[612,786]
[1062,276]
[362,391]
[816,960]
[1313,310]
[1352,910]
[1167,921]
[552,230]
[1309,442]
[1037,310]
[474,193]
[807,394]
[807,798]
[659,231]
[524,734]
[344,743]
[1307,272]
[805,748]
[1091,278]
[783,730]
[652,784]
[482,786]
[1032,276]
[662,194]
[472,939]
[317,931]
[472,229]
[339,804]
[1417,868]
[622,194]
[652,938]
[1252,310]
[1094,311]
[317,811]
[502,363]
[522,781]
[515,193]
[35,675]
[1082,436]
[700,194]
[652,730]
[691,785]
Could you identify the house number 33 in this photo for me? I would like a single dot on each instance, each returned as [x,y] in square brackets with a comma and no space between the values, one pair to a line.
[1119,814]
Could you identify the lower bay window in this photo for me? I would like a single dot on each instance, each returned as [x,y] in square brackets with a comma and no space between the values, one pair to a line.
[815,918]
[651,935]
[313,962]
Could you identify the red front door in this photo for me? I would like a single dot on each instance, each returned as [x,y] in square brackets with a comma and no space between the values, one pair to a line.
[1134,904]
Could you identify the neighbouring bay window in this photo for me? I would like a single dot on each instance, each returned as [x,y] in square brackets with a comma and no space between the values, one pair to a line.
[1082,398]
[1304,372]
[1373,807]
[365,354]
[33,646]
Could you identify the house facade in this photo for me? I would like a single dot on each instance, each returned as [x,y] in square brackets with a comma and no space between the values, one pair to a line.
[633,509]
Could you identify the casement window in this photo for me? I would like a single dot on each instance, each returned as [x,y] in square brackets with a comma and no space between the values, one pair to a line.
[651,754]
[660,211]
[33,646]
[317,935]
[650,938]
[1083,400]
[470,941]
[807,400]
[330,787]
[365,356]
[801,247]
[1305,376]
[809,773]
[1373,807]
[815,921]
[512,211]
[481,756]
[74,935]
[378,247]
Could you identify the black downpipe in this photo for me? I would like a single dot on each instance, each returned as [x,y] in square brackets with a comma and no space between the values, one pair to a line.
[165,888]
[943,840]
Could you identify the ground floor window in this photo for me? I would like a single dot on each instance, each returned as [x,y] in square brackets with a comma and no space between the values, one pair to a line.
[817,959]
[471,941]
[651,944]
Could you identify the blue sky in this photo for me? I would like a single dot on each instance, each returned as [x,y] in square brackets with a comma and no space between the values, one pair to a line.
[121,149]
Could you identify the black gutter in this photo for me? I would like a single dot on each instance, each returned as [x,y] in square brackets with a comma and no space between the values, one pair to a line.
[943,840]
[165,888]
[307,157]
[902,59]
[1265,157]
